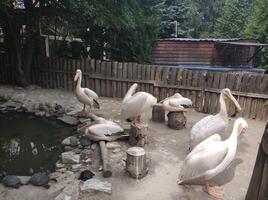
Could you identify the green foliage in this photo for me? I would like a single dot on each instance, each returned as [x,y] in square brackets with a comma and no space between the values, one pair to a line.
[258,28]
[235,15]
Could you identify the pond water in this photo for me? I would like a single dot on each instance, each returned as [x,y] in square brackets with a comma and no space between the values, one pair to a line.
[27,142]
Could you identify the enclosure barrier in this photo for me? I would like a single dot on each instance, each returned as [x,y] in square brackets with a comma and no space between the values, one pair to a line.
[258,187]
[112,79]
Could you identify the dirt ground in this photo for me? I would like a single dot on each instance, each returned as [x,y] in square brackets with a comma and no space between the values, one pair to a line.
[165,150]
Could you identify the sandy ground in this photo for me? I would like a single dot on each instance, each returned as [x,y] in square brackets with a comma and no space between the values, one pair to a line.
[165,150]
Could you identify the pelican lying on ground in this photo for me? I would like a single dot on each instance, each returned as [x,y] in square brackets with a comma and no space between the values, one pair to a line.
[101,129]
[176,103]
[213,124]
[133,105]
[209,158]
[85,95]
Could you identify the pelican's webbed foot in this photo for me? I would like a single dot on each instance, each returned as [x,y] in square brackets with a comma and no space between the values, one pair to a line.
[214,191]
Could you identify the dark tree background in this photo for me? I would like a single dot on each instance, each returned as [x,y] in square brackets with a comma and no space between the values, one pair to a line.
[126,30]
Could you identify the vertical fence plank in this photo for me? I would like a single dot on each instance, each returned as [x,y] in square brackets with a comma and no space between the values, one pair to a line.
[172,80]
[114,75]
[97,81]
[164,80]
[152,77]
[157,80]
[129,74]
[147,77]
[124,75]
[214,97]
[119,83]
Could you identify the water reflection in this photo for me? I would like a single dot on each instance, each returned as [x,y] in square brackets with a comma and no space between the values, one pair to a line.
[27,142]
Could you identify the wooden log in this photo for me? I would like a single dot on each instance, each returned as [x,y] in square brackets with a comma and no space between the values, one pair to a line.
[138,137]
[176,120]
[107,169]
[158,113]
[258,187]
[136,164]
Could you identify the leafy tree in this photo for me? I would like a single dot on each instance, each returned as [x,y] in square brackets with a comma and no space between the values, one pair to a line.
[258,28]
[234,17]
[21,33]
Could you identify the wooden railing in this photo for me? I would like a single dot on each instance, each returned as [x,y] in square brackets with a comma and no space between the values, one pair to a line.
[112,79]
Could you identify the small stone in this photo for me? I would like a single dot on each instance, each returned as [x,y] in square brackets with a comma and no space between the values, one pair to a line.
[100,168]
[83,120]
[24,179]
[93,146]
[40,113]
[70,157]
[28,106]
[62,170]
[112,145]
[77,151]
[85,141]
[70,141]
[88,161]
[68,148]
[68,120]
[76,167]
[59,165]
[116,150]
[96,185]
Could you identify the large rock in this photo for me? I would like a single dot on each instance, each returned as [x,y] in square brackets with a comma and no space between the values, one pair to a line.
[95,184]
[70,192]
[70,157]
[70,141]
[69,120]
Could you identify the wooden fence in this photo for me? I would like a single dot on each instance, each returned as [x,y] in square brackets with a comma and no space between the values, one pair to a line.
[112,79]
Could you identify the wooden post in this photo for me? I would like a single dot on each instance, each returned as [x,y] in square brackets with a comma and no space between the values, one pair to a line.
[258,187]
[107,169]
[138,137]
[158,113]
[136,164]
[176,120]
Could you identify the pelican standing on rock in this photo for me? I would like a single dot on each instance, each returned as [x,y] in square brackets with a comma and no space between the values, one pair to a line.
[85,95]
[209,158]
[133,105]
[213,124]
[175,103]
[101,129]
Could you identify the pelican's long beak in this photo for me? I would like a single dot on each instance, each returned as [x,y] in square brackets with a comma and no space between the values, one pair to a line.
[231,97]
[76,77]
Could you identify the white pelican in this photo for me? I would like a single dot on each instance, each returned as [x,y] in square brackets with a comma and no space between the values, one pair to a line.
[213,124]
[176,103]
[101,129]
[209,158]
[85,95]
[133,105]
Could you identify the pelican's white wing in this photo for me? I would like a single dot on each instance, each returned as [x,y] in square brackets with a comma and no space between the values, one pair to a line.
[90,93]
[134,105]
[210,125]
[203,144]
[208,157]
[102,130]
[180,102]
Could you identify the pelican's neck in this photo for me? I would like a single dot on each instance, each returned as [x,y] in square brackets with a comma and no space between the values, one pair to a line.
[78,84]
[234,134]
[130,92]
[223,110]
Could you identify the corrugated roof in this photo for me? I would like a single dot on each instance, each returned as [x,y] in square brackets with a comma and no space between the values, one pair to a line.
[201,39]
[245,44]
